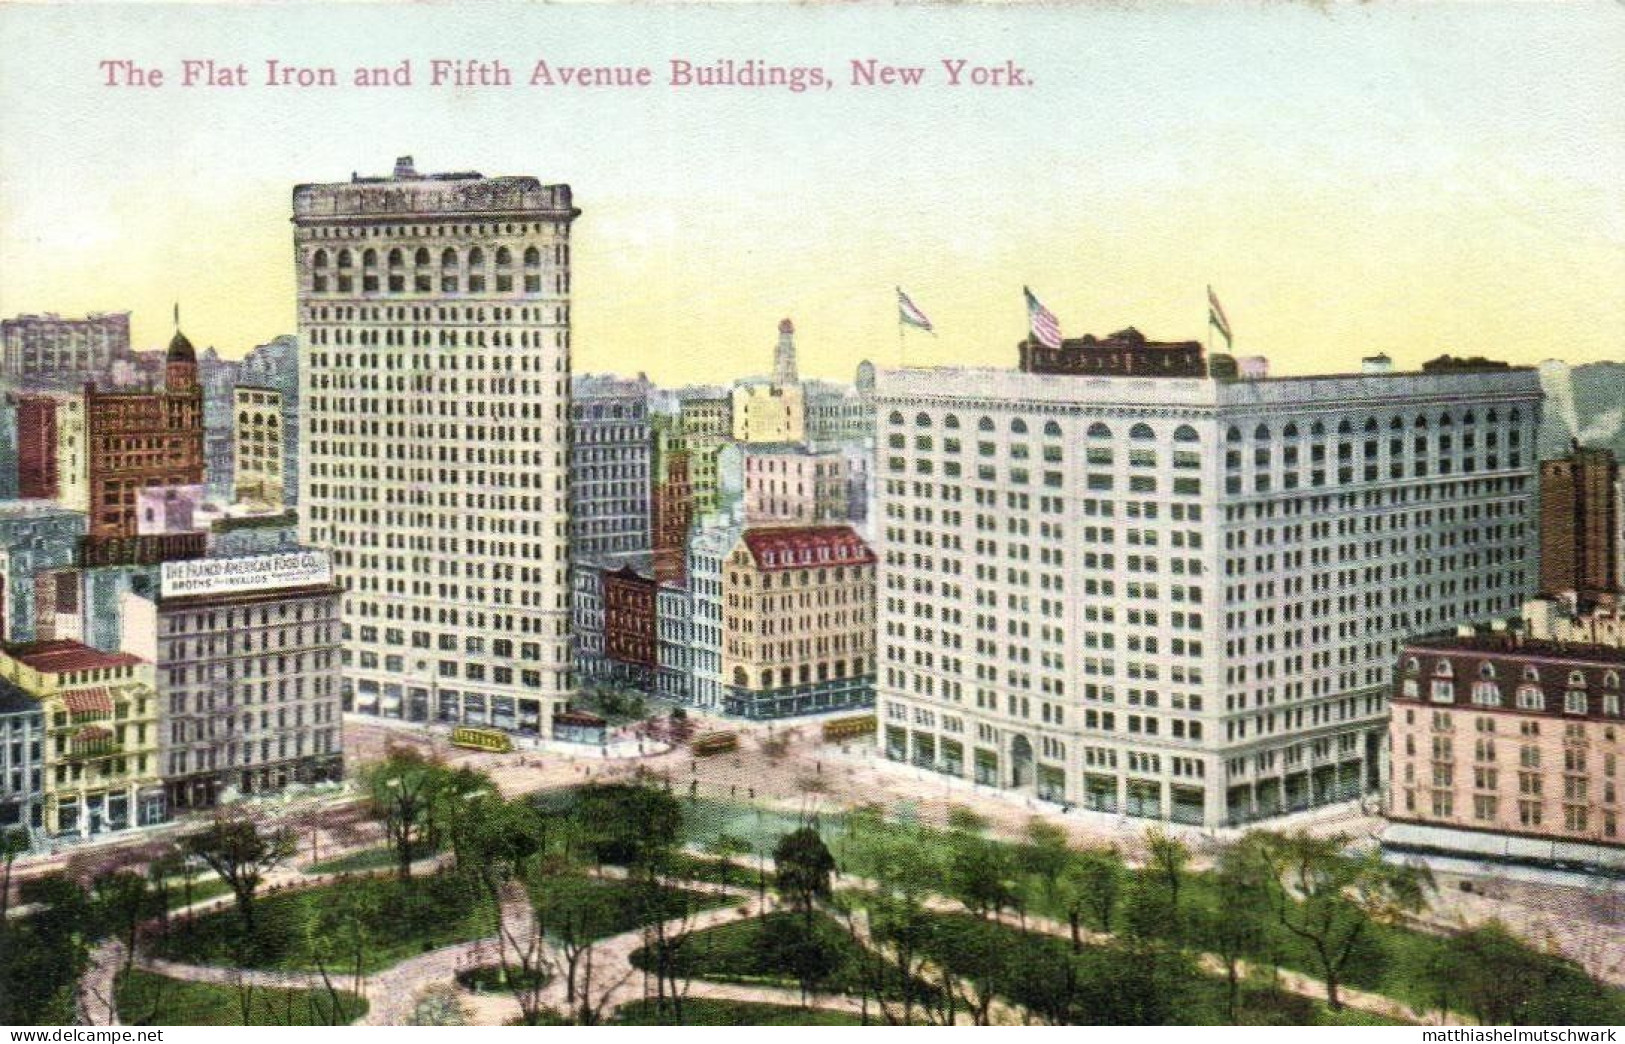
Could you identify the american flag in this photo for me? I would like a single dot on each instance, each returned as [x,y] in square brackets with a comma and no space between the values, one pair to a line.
[1045,326]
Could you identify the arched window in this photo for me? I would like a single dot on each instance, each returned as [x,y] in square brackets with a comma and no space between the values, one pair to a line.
[1468,418]
[1290,431]
[1442,669]
[1141,432]
[476,258]
[370,258]
[242,418]
[1185,433]
[320,260]
[895,418]
[1577,678]
[1371,424]
[1491,417]
[1053,429]
[1233,434]
[922,420]
[1317,430]
[448,258]
[421,258]
[1421,422]
[1516,415]
[344,259]
[396,258]
[1412,666]
[1486,670]
[1261,433]
[504,257]
[1098,430]
[1396,424]
[951,422]
[1444,420]
[1531,674]
[740,678]
[1610,680]
[1344,427]
[985,424]
[533,257]
[1018,427]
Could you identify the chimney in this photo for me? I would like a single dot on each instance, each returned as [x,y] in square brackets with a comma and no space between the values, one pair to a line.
[403,167]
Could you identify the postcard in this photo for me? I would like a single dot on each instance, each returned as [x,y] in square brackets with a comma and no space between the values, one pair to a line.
[761,514]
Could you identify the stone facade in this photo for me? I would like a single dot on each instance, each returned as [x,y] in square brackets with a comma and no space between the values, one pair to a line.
[49,351]
[1181,598]
[247,677]
[611,467]
[434,405]
[259,468]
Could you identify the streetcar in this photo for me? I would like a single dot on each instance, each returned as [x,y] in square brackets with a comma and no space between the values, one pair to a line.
[493,741]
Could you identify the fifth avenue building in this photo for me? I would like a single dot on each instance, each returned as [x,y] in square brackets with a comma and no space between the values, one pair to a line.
[1181,597]
[434,322]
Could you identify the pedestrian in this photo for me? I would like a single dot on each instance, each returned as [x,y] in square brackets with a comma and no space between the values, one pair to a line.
[733,789]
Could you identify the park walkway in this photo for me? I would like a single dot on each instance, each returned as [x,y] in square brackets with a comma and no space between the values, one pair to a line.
[393,992]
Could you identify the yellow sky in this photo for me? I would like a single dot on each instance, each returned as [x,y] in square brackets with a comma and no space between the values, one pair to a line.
[1401,178]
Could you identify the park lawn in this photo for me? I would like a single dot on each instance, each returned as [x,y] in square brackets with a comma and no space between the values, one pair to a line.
[1386,961]
[711,870]
[375,858]
[204,888]
[700,1011]
[1115,985]
[610,906]
[146,999]
[737,952]
[406,918]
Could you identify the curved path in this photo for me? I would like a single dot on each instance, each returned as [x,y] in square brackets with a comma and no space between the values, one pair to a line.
[393,992]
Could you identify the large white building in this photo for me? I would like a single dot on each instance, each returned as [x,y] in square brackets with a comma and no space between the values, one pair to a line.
[434,329]
[1180,597]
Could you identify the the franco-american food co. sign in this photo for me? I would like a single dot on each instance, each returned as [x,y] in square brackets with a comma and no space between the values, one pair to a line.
[250,573]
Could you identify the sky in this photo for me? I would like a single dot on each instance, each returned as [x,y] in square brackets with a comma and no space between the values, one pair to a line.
[1405,178]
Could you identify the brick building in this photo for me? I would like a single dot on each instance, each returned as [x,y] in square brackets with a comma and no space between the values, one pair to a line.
[798,634]
[137,440]
[1508,747]
[629,623]
[37,475]
[1580,509]
[1125,353]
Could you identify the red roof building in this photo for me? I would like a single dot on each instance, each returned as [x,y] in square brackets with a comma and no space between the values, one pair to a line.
[801,547]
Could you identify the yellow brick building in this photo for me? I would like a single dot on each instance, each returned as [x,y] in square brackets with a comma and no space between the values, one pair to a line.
[101,757]
[798,634]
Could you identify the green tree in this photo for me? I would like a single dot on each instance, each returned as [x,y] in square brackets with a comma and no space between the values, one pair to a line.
[404,791]
[1167,859]
[1044,856]
[44,954]
[803,868]
[1329,898]
[1236,927]
[981,874]
[1100,880]
[236,849]
[630,824]
[13,843]
[124,900]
